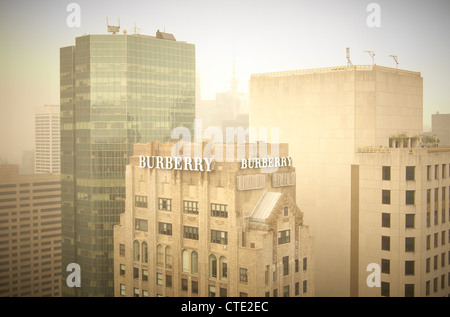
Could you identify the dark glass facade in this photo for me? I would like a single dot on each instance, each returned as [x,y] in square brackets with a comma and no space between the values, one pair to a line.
[116,90]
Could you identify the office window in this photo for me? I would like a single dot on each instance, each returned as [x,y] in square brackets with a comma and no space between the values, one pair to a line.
[386,197]
[223,268]
[190,207]
[220,237]
[267,294]
[165,204]
[427,288]
[168,257]
[212,291]
[135,272]
[429,172]
[223,292]
[386,220]
[436,239]
[122,249]
[436,171]
[409,290]
[122,290]
[409,244]
[159,255]
[386,173]
[443,238]
[194,262]
[286,291]
[286,211]
[184,284]
[141,224]
[285,265]
[140,201]
[190,232]
[122,269]
[297,289]
[296,264]
[385,243]
[436,217]
[275,292]
[144,252]
[212,266]
[144,293]
[243,275]
[428,265]
[428,219]
[409,199]
[442,281]
[219,210]
[284,236]
[442,259]
[165,228]
[409,220]
[385,289]
[435,284]
[385,266]
[194,287]
[409,267]
[305,286]
[444,173]
[168,280]
[159,279]
[305,264]
[144,275]
[410,171]
[136,292]
[435,262]
[137,251]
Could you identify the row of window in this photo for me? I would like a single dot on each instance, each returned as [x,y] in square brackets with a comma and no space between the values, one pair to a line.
[189,207]
[409,268]
[410,242]
[409,288]
[410,172]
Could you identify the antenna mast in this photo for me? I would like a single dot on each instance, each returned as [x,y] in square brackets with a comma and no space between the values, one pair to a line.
[372,54]
[112,28]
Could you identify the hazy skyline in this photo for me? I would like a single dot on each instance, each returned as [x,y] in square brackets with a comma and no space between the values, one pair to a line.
[265,35]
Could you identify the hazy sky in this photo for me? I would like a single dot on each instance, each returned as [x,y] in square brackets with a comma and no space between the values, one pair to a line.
[266,36]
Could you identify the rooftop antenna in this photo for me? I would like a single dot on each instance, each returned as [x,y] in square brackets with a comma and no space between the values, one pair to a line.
[136,29]
[349,63]
[372,54]
[112,28]
[396,60]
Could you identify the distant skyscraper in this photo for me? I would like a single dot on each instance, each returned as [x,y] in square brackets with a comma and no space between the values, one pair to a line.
[30,234]
[27,162]
[440,127]
[116,90]
[47,140]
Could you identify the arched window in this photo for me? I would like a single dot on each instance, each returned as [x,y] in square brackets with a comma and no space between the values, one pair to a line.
[212,266]
[160,255]
[194,262]
[168,257]
[223,268]
[185,260]
[144,252]
[137,253]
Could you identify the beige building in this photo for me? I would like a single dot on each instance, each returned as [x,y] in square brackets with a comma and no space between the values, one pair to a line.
[401,220]
[30,233]
[231,231]
[47,145]
[325,115]
[440,127]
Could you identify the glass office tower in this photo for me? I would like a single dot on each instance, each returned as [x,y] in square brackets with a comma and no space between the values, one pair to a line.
[116,90]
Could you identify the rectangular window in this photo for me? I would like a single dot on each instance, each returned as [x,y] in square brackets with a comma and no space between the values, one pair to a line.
[140,201]
[305,264]
[122,289]
[442,281]
[286,291]
[305,286]
[284,236]
[427,288]
[122,249]
[145,275]
[385,289]
[386,173]
[409,290]
[435,284]
[386,220]
[266,274]
[184,284]
[409,244]
[212,291]
[435,262]
[165,228]
[409,199]
[409,267]
[190,233]
[165,204]
[385,243]
[429,172]
[428,219]
[286,211]
[297,289]
[285,265]
[436,171]
[220,237]
[409,220]
[122,269]
[190,207]
[168,280]
[410,171]
[428,265]
[223,292]
[219,210]
[385,266]
[444,173]
[275,292]
[443,238]
[386,197]
[436,239]
[135,272]
[144,293]
[141,224]
[159,279]
[194,287]
[136,292]
[243,275]
[296,265]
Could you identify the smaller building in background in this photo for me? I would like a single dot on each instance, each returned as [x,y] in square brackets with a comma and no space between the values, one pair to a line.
[228,232]
[47,145]
[440,127]
[30,234]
